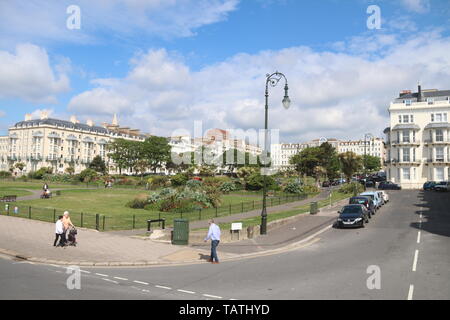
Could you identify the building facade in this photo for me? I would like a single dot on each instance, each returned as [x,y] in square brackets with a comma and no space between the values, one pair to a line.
[60,144]
[418,139]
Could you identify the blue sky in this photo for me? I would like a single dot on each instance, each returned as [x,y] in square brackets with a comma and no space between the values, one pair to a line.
[161,65]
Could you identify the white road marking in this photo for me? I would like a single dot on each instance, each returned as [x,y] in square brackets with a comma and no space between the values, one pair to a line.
[410,292]
[211,296]
[140,282]
[145,290]
[109,280]
[102,275]
[185,291]
[162,287]
[418,237]
[119,278]
[416,256]
[84,271]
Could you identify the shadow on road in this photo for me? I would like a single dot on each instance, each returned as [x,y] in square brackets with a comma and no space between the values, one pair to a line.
[435,210]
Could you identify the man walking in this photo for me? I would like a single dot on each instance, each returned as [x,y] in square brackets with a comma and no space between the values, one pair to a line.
[214,235]
[60,234]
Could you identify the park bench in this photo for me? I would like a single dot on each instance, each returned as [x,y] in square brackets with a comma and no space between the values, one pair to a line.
[8,199]
[149,223]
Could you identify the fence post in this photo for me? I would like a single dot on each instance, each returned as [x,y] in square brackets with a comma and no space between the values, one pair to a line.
[134,221]
[230,208]
[97,221]
[29,212]
[103,223]
[81,220]
[216,212]
[253,204]
[242,205]
[159,218]
[200,214]
[54,215]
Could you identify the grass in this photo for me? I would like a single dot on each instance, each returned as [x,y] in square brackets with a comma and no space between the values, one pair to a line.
[8,191]
[110,204]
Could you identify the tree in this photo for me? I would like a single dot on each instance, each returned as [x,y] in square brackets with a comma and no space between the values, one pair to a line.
[372,163]
[307,160]
[126,153]
[70,170]
[98,165]
[156,151]
[20,166]
[329,160]
[233,159]
[87,175]
[350,163]
[141,166]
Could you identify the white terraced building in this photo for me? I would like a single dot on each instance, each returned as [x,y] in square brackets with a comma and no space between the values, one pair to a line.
[59,144]
[418,139]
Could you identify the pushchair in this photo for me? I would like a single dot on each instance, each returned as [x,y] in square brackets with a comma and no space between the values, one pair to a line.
[71,238]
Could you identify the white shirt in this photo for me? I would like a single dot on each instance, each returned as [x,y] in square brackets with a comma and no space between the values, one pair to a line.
[59,227]
[213,232]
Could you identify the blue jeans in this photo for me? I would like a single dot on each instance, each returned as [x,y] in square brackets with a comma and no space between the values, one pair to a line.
[214,244]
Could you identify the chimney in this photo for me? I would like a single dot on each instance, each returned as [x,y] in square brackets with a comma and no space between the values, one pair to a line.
[73,119]
[28,117]
[419,93]
[90,123]
[44,115]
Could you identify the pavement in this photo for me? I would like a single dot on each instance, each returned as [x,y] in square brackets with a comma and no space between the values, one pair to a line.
[402,254]
[32,240]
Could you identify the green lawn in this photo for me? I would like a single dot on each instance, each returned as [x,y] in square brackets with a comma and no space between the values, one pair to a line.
[8,191]
[110,204]
[35,185]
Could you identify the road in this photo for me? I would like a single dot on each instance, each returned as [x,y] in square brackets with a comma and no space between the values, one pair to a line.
[408,240]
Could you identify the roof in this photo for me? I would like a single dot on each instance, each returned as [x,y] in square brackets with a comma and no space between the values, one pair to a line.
[425,94]
[437,125]
[62,123]
[406,126]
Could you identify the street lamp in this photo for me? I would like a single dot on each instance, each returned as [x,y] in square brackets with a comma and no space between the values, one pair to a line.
[366,136]
[272,79]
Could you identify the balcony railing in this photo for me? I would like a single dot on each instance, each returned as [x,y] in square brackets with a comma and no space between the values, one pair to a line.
[438,160]
[434,141]
[405,143]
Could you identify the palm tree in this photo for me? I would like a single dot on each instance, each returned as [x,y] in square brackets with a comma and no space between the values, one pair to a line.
[351,163]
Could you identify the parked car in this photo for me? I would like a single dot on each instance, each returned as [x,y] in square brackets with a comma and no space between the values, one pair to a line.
[385,196]
[429,185]
[353,215]
[381,198]
[326,184]
[374,196]
[366,201]
[442,186]
[387,185]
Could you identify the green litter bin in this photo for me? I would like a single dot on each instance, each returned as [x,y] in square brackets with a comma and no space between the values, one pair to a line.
[313,208]
[180,232]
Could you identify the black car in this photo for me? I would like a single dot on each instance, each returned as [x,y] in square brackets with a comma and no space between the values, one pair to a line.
[353,215]
[365,201]
[326,184]
[387,185]
[429,185]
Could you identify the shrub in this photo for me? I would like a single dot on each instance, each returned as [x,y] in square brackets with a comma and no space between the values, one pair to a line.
[139,202]
[310,189]
[39,174]
[351,187]
[256,182]
[5,174]
[87,175]
[227,187]
[179,179]
[293,187]
[194,184]
[157,182]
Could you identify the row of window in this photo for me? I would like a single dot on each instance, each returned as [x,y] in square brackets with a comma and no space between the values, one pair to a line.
[435,117]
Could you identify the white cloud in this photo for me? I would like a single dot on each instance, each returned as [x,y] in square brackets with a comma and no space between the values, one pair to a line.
[27,74]
[40,20]
[419,6]
[334,94]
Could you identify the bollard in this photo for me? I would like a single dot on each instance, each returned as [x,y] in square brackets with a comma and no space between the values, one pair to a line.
[97,222]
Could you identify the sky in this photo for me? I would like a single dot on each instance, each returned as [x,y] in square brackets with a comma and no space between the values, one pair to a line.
[161,65]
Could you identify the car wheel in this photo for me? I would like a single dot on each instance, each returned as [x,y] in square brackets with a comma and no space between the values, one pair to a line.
[362,224]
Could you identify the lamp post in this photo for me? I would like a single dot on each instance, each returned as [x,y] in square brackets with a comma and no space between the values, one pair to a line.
[366,136]
[272,79]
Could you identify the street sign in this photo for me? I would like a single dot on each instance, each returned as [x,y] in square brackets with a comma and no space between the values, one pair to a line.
[236,226]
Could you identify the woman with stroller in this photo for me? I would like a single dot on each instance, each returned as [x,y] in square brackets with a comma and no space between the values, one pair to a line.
[67,223]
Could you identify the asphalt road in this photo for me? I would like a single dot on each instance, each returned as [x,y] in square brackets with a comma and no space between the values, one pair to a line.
[408,241]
